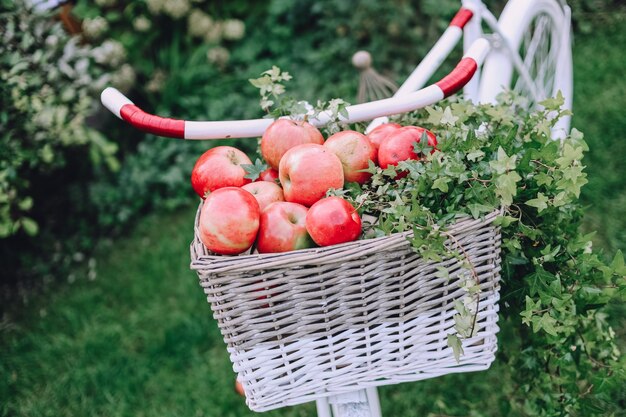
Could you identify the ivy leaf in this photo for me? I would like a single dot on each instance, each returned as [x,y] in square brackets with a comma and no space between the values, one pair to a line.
[475,155]
[506,187]
[448,118]
[253,171]
[434,115]
[570,154]
[457,347]
[617,265]
[560,199]
[541,202]
[441,183]
[476,209]
[260,82]
[573,179]
[504,221]
[554,103]
[503,163]
[422,147]
[543,179]
[545,322]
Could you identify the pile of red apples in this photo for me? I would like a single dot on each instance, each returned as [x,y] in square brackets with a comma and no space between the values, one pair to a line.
[286,208]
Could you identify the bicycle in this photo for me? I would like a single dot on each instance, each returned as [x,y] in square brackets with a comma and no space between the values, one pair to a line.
[528,50]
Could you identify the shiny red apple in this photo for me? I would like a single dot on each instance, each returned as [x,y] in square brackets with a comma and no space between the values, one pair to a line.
[229,221]
[283,228]
[379,133]
[399,146]
[219,167]
[354,150]
[333,220]
[308,171]
[265,192]
[283,135]
[270,175]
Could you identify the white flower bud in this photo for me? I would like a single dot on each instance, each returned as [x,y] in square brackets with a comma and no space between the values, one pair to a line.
[214,34]
[199,23]
[106,3]
[233,29]
[142,24]
[155,6]
[218,56]
[110,52]
[96,27]
[52,41]
[124,78]
[176,8]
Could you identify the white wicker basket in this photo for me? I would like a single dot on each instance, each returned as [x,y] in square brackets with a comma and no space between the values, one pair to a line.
[317,322]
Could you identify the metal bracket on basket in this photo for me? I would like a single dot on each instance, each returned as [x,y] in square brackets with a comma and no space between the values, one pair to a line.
[351,404]
[361,403]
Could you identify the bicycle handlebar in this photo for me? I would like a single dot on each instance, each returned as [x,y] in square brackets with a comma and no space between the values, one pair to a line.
[126,110]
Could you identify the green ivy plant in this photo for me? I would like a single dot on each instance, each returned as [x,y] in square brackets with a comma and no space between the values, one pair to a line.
[555,287]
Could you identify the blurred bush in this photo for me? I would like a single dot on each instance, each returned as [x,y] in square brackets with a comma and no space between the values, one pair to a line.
[48,81]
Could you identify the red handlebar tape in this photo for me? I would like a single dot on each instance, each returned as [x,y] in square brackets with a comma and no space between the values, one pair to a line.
[150,123]
[461,17]
[459,76]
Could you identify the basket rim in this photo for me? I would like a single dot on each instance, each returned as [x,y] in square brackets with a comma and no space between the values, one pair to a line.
[206,260]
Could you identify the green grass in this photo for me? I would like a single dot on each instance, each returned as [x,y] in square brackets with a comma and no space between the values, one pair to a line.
[599,105]
[139,340]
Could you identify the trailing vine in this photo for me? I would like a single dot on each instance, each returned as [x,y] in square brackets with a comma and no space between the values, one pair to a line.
[555,288]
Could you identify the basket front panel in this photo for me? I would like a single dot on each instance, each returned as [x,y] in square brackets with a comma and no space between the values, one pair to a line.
[336,321]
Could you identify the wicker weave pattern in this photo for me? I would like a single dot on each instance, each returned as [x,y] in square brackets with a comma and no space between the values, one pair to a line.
[317,322]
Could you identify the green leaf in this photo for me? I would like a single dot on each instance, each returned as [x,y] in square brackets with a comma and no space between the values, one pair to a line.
[570,154]
[26,204]
[457,347]
[448,118]
[504,221]
[506,186]
[422,147]
[260,82]
[617,265]
[254,170]
[441,183]
[30,226]
[475,155]
[553,103]
[543,179]
[545,322]
[541,202]
[503,163]
[477,209]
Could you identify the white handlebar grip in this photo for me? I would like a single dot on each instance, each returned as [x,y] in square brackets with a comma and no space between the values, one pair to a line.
[113,100]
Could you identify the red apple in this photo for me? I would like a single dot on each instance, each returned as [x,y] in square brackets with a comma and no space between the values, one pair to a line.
[283,135]
[378,134]
[333,220]
[283,228]
[239,388]
[307,172]
[269,174]
[219,167]
[229,221]
[399,146]
[354,150]
[265,192]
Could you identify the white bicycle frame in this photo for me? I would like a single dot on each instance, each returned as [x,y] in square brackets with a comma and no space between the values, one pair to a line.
[410,96]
